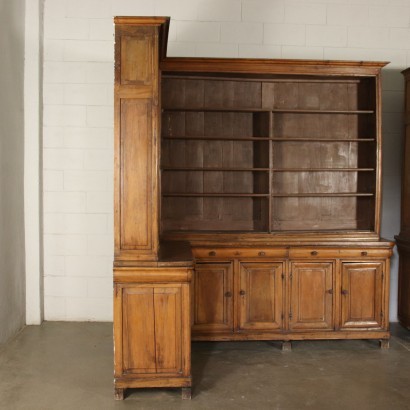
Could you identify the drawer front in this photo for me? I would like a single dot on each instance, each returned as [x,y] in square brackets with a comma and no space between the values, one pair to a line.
[300,253]
[239,253]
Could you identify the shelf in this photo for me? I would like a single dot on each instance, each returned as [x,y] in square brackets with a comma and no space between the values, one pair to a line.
[205,138]
[264,79]
[256,139]
[344,112]
[273,110]
[217,195]
[323,169]
[216,169]
[324,194]
[221,109]
[237,195]
[292,139]
[227,169]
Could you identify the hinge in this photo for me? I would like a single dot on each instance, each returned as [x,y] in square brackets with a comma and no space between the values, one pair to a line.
[382,275]
[381,314]
[282,316]
[291,275]
[290,315]
[283,276]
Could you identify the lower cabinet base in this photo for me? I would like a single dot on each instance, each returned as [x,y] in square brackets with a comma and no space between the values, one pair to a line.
[381,335]
[152,334]
[121,384]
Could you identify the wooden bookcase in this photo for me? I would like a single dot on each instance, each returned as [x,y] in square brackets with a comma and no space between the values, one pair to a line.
[403,239]
[271,171]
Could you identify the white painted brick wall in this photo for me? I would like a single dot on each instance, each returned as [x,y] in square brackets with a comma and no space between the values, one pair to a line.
[78,110]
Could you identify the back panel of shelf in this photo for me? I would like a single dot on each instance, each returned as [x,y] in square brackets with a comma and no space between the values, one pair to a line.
[264,155]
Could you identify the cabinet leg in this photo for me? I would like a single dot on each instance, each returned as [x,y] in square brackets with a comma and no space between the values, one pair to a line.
[384,344]
[119,394]
[287,346]
[186,393]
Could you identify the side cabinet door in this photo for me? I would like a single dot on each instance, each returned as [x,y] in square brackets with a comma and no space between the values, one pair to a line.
[150,340]
[261,290]
[311,296]
[212,298]
[362,295]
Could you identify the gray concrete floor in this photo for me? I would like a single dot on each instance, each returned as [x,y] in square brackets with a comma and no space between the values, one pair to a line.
[69,366]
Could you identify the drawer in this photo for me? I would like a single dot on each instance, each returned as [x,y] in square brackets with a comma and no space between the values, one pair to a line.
[335,253]
[239,253]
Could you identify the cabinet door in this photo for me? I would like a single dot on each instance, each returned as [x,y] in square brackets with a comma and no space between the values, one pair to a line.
[311,296]
[362,295]
[261,289]
[212,297]
[151,329]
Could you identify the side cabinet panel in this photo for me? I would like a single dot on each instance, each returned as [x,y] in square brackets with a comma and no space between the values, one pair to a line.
[136,174]
[362,295]
[212,298]
[136,130]
[311,296]
[261,290]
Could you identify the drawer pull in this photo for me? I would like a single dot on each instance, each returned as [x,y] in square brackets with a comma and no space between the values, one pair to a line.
[330,291]
[242,292]
[212,253]
[261,253]
[228,294]
[345,292]
[364,253]
[313,253]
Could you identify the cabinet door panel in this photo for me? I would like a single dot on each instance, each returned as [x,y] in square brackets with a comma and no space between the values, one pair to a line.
[212,294]
[167,306]
[311,296]
[138,334]
[260,304]
[362,295]
[152,329]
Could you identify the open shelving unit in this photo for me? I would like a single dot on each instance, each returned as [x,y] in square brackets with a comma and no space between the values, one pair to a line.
[268,154]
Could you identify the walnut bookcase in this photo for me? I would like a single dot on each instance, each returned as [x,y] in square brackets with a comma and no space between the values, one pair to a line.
[271,171]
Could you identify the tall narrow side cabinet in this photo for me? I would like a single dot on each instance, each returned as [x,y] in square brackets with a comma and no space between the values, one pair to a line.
[247,203]
[403,239]
[152,337]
